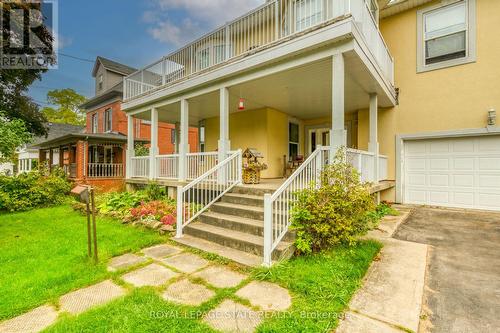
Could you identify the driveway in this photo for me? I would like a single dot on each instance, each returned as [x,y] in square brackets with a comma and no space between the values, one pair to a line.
[462,291]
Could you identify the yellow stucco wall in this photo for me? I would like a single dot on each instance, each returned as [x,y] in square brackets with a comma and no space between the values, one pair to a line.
[265,130]
[445,99]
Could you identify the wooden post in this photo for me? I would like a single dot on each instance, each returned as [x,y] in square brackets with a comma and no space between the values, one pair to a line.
[94,224]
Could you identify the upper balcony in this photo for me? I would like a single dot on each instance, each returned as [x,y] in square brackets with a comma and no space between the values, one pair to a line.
[274,22]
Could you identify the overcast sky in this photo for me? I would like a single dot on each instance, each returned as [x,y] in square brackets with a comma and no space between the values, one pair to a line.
[134,32]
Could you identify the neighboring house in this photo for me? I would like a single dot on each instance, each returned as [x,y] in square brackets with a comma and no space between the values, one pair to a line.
[28,155]
[97,156]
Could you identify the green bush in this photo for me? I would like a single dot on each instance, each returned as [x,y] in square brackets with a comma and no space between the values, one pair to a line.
[337,212]
[155,192]
[120,202]
[34,189]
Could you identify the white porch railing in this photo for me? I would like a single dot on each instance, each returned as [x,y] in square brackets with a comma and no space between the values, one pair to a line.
[167,166]
[104,170]
[140,167]
[200,194]
[199,163]
[277,206]
[274,21]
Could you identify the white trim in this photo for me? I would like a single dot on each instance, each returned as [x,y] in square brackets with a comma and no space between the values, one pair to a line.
[470,37]
[400,139]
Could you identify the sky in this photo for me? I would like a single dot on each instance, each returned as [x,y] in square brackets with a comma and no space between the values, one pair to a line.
[133,32]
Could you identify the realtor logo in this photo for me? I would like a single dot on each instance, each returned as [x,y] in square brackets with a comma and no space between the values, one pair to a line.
[29,34]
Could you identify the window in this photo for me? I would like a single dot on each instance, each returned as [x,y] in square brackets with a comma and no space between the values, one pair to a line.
[203,58]
[95,122]
[446,35]
[108,120]
[100,82]
[173,136]
[138,128]
[293,140]
[211,54]
[307,13]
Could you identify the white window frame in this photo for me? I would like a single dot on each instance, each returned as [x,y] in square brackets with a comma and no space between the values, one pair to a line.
[95,122]
[290,122]
[100,83]
[108,120]
[470,39]
[303,18]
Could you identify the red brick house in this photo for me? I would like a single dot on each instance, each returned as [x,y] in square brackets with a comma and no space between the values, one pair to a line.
[97,155]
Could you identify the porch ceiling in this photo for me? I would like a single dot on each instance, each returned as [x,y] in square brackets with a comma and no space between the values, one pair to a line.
[303,92]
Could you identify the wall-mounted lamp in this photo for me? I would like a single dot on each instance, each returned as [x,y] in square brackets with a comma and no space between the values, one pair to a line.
[492,117]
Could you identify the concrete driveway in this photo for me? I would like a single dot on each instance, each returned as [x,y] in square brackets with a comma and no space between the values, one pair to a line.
[462,291]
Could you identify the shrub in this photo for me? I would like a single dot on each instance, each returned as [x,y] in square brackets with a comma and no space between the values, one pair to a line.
[155,192]
[337,212]
[161,211]
[38,188]
[120,203]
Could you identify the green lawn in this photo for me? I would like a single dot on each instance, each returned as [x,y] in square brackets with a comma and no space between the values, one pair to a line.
[321,287]
[43,255]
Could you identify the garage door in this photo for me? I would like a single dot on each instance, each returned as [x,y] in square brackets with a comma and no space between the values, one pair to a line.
[458,172]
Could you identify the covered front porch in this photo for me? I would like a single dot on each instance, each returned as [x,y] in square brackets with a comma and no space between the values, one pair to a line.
[285,115]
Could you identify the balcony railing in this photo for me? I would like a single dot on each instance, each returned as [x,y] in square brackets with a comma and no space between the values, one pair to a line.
[267,24]
[105,170]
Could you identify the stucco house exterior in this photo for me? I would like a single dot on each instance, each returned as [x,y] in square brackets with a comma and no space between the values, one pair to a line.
[409,86]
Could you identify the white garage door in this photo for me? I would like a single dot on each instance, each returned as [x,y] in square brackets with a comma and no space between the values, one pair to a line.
[459,172]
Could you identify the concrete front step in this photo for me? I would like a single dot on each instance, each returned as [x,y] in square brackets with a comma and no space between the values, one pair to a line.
[240,257]
[251,190]
[244,199]
[250,212]
[236,240]
[237,223]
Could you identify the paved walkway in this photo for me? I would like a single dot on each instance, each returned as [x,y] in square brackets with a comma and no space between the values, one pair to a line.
[390,300]
[182,277]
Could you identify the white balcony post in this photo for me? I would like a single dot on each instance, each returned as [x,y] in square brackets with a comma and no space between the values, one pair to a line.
[183,140]
[338,134]
[373,145]
[224,143]
[180,212]
[153,150]
[268,230]
[130,146]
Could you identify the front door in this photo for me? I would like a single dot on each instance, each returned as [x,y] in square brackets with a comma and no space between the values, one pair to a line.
[318,137]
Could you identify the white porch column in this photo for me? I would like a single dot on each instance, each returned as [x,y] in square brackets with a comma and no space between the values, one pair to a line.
[338,134]
[153,150]
[130,146]
[224,143]
[373,145]
[183,140]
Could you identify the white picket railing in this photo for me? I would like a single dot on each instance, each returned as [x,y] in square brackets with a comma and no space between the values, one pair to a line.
[199,163]
[167,166]
[140,167]
[105,170]
[277,206]
[273,21]
[196,197]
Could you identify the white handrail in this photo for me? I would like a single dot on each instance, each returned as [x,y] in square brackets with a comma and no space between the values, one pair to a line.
[277,206]
[196,197]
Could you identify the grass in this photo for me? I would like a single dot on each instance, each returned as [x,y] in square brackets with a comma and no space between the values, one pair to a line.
[43,255]
[321,287]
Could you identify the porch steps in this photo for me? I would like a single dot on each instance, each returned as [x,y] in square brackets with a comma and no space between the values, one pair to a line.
[234,228]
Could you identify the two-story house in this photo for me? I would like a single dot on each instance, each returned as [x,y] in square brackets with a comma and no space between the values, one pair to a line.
[408,86]
[96,156]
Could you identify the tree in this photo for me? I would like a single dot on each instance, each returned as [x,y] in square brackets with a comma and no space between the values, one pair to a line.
[13,134]
[14,83]
[68,111]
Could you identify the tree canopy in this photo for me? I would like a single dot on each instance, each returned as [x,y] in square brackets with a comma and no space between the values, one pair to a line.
[14,83]
[13,134]
[68,110]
